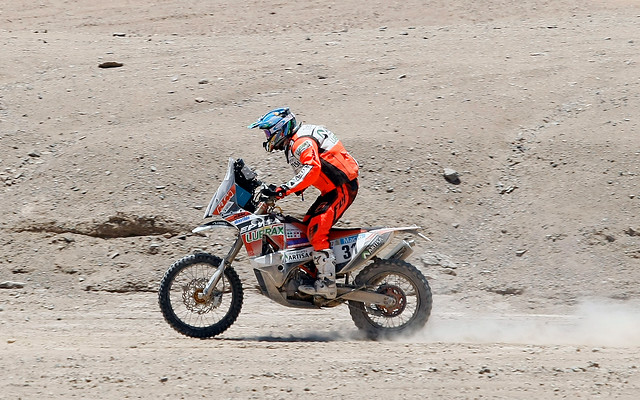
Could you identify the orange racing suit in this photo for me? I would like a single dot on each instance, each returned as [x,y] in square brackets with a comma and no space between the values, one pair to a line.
[319,159]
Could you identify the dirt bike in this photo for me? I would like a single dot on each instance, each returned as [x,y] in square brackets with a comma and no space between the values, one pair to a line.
[201,295]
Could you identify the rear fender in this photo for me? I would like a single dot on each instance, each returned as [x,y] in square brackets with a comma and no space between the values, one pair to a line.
[369,244]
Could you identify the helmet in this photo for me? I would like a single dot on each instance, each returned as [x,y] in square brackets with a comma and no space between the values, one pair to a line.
[278,125]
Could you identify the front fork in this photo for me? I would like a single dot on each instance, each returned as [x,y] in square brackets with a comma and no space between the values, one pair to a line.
[215,278]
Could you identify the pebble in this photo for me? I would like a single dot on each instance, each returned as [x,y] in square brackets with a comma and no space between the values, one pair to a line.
[110,64]
[451,175]
[154,248]
[11,285]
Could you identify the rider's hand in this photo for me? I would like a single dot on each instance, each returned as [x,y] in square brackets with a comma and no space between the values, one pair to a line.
[274,191]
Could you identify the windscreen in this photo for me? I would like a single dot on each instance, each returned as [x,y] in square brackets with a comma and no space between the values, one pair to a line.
[225,190]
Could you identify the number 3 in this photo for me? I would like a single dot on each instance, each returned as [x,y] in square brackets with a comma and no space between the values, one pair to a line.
[347,251]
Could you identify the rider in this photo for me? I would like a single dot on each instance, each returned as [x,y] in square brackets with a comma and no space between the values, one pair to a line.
[319,159]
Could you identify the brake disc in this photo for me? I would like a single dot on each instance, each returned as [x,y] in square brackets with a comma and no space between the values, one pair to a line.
[400,304]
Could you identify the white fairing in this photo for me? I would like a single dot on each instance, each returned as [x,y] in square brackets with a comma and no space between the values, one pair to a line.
[357,249]
[223,189]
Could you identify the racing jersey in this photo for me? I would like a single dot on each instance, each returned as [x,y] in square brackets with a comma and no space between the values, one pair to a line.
[318,158]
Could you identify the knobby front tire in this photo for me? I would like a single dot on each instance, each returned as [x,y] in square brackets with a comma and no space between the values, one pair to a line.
[183,309]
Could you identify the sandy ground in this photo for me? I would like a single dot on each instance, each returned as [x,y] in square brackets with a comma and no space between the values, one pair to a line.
[535,255]
[96,345]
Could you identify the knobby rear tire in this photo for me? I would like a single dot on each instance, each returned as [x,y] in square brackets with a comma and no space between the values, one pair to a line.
[394,277]
[199,319]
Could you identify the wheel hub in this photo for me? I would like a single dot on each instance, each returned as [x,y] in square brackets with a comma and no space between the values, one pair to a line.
[194,301]
[197,296]
[400,300]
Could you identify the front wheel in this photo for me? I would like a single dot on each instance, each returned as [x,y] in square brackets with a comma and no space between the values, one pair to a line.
[185,310]
[404,282]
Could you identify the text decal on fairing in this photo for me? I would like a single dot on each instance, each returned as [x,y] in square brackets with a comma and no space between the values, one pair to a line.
[225,199]
[257,222]
[349,239]
[375,243]
[258,234]
[296,256]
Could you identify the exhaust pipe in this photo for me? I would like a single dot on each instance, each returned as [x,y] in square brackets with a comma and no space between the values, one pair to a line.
[401,251]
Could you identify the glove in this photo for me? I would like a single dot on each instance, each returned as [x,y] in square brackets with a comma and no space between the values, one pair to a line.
[273,191]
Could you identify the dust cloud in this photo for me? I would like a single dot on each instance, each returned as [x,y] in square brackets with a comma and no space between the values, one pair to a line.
[594,323]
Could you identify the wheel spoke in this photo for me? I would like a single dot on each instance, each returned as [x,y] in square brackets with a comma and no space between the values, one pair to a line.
[402,282]
[181,302]
[189,307]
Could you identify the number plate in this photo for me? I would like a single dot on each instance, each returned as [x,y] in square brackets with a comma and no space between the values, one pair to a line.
[344,248]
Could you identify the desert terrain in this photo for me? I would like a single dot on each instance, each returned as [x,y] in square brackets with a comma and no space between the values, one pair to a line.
[116,123]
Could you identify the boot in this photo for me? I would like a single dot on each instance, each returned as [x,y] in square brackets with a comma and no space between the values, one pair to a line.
[325,286]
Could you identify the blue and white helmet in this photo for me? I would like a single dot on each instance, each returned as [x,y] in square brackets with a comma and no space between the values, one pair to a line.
[278,125]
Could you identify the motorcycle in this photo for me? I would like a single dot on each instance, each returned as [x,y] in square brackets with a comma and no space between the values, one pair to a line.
[201,294]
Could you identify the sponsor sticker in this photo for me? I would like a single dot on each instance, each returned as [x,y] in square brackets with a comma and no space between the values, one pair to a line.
[239,217]
[349,239]
[373,246]
[223,203]
[293,233]
[241,220]
[257,222]
[258,234]
[305,145]
[296,256]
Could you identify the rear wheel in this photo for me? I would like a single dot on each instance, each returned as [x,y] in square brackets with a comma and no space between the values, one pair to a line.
[185,310]
[405,283]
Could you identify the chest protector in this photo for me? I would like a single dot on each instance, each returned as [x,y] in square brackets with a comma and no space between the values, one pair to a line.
[319,159]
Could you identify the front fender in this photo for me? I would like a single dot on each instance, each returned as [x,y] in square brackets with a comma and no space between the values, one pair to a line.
[212,225]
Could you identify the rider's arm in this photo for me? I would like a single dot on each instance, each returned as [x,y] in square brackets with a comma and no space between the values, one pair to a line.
[304,150]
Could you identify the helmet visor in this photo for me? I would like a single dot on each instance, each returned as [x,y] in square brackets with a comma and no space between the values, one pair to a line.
[267,133]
